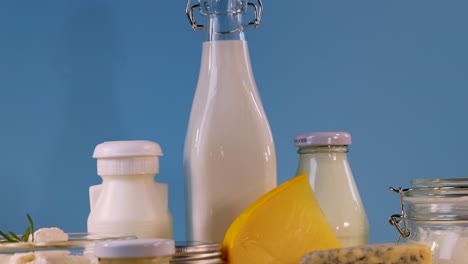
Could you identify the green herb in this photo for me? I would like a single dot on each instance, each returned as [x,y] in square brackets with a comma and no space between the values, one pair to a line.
[14,238]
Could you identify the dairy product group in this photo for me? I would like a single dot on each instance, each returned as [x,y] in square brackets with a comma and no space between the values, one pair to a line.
[230,178]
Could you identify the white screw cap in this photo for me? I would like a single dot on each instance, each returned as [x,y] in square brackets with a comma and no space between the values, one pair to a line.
[127,157]
[322,139]
[135,248]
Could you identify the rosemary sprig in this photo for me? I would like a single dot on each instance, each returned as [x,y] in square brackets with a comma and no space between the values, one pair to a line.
[14,238]
[31,228]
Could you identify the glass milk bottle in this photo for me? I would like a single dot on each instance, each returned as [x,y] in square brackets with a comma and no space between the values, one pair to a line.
[229,155]
[323,155]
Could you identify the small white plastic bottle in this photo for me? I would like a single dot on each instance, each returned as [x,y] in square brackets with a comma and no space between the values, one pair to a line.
[323,156]
[129,201]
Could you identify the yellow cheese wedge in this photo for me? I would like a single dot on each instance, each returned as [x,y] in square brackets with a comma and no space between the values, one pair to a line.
[280,227]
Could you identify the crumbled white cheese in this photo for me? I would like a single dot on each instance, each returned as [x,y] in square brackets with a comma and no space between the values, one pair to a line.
[22,258]
[44,257]
[4,258]
[52,234]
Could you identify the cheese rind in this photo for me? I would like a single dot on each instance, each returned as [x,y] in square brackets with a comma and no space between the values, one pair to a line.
[372,254]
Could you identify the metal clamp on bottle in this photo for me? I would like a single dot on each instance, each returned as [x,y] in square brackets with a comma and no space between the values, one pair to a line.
[204,6]
[258,9]
[396,219]
[189,11]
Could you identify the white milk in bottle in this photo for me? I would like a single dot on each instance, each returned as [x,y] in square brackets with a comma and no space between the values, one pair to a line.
[229,155]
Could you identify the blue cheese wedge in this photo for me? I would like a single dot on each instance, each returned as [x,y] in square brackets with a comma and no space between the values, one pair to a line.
[372,254]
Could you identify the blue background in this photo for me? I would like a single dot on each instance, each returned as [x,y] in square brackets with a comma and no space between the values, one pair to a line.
[76,73]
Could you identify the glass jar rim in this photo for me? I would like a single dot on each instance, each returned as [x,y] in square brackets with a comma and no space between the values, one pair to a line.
[437,188]
[431,193]
[440,182]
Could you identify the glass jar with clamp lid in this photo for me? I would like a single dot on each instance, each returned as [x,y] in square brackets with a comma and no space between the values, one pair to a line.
[435,212]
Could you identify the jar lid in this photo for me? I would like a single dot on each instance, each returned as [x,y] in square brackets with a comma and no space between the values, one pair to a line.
[438,188]
[135,248]
[193,252]
[435,200]
[196,247]
[322,139]
[441,182]
[431,193]
[199,261]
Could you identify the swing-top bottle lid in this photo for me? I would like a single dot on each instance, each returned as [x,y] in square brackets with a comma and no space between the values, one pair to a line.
[127,157]
[322,139]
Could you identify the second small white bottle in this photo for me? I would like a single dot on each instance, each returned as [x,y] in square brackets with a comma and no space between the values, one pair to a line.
[323,155]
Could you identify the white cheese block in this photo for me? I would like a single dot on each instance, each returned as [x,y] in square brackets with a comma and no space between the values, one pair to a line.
[51,234]
[372,254]
[44,235]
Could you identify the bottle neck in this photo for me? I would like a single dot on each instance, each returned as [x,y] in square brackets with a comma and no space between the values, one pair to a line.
[324,160]
[224,19]
[224,27]
[323,149]
[129,177]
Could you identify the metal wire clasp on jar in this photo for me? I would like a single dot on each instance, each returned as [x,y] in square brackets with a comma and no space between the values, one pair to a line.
[435,213]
